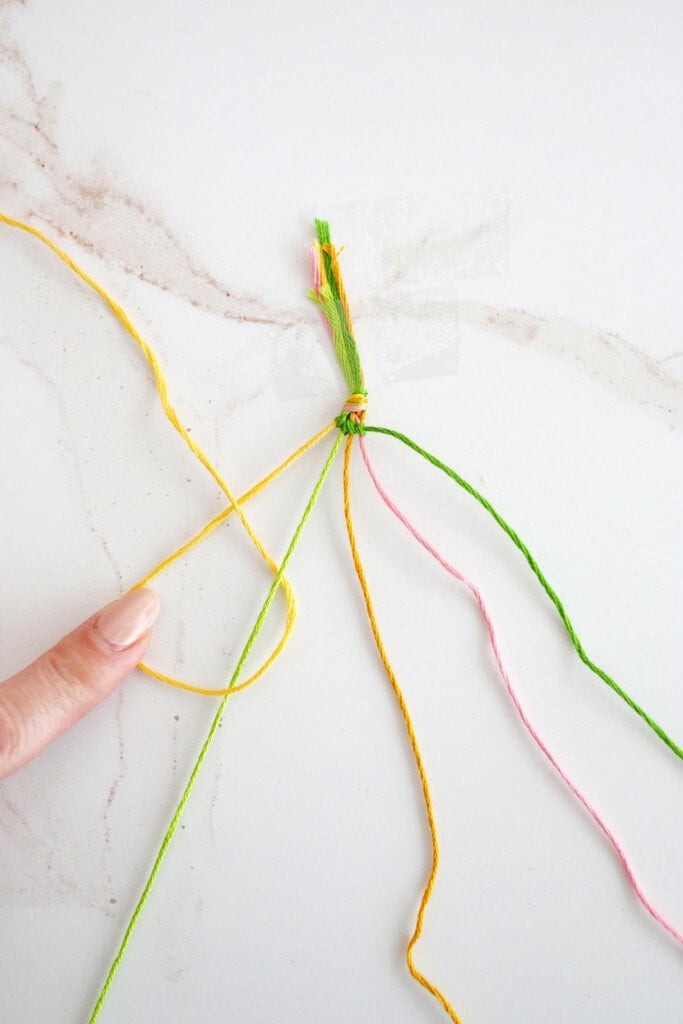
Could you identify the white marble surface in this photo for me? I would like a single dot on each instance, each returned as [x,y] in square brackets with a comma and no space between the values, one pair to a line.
[506,179]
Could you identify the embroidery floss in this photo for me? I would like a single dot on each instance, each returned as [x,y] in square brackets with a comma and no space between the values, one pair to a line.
[329,294]
[540,743]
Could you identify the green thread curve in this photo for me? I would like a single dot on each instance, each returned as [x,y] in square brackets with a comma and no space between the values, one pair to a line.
[170,832]
[519,543]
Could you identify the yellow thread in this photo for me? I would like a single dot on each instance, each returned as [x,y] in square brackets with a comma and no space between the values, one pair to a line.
[321,264]
[216,521]
[417,754]
[172,416]
[357,399]
[222,516]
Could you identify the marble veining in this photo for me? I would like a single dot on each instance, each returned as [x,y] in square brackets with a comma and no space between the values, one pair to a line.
[307,877]
[82,205]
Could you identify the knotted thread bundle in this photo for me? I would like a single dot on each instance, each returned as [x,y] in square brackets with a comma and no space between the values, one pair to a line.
[329,294]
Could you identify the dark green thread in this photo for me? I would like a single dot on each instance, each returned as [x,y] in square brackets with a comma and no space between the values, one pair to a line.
[349,423]
[533,565]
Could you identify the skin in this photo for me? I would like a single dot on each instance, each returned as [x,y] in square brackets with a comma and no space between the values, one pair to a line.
[48,696]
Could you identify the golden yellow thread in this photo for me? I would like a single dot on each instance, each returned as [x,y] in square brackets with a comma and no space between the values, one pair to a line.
[417,754]
[356,399]
[333,253]
[172,416]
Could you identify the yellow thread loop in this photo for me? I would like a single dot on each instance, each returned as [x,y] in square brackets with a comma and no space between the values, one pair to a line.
[204,532]
[172,416]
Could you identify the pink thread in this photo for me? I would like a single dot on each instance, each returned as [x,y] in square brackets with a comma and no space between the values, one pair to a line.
[630,873]
[315,270]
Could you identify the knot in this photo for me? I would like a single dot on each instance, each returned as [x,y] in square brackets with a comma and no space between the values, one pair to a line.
[350,420]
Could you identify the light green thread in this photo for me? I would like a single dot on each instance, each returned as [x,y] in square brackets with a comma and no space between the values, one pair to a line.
[335,317]
[170,832]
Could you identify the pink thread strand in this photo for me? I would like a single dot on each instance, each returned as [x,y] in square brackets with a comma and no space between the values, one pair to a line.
[540,743]
[315,270]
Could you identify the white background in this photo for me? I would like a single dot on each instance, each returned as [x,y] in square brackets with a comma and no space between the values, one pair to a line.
[506,179]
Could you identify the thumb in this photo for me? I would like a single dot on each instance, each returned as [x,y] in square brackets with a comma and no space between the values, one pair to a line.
[45,698]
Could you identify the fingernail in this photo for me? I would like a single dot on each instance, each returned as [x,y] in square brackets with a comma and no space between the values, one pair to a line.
[122,623]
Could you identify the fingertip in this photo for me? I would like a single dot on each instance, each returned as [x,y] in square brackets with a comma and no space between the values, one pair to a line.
[125,621]
[73,677]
